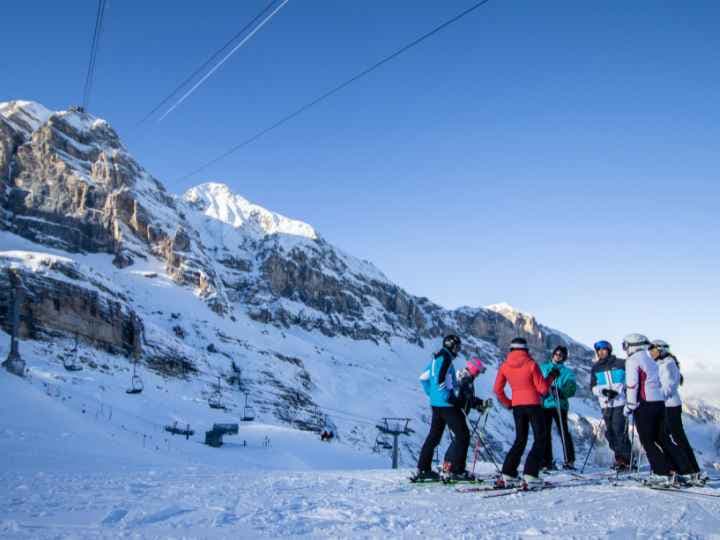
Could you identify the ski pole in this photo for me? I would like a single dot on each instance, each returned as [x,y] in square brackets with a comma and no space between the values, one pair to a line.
[592,444]
[560,422]
[488,451]
[632,441]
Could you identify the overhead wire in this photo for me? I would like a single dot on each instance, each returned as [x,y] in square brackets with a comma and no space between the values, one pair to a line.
[335,89]
[94,46]
[223,60]
[207,62]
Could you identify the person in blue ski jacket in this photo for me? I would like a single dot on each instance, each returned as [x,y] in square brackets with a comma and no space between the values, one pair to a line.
[565,387]
[440,383]
[607,382]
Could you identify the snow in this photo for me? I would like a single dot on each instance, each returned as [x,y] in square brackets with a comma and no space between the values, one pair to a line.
[64,473]
[218,202]
[20,112]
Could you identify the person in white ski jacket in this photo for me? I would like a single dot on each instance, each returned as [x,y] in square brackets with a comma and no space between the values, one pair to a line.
[671,380]
[645,401]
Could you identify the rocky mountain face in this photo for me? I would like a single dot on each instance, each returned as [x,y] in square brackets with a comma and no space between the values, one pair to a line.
[193,285]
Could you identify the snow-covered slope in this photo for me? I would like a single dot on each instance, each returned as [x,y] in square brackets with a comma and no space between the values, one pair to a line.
[209,289]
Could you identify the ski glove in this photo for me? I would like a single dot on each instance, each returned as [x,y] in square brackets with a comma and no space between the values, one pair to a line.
[609,393]
[481,404]
[627,411]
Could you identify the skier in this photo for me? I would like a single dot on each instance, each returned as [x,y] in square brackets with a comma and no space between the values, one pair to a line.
[607,382]
[646,402]
[528,385]
[466,401]
[565,386]
[671,379]
[439,381]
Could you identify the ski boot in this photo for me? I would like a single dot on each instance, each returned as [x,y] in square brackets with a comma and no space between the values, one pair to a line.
[658,481]
[698,479]
[465,476]
[506,481]
[531,483]
[550,467]
[425,476]
[569,466]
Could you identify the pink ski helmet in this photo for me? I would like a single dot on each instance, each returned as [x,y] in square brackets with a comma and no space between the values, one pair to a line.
[475,366]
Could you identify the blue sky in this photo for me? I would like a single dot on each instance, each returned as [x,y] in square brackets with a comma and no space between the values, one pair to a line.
[560,156]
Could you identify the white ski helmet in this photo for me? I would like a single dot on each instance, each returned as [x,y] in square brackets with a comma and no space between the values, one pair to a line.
[633,343]
[661,345]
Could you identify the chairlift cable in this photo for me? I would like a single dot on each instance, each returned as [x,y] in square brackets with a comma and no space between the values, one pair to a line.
[334,90]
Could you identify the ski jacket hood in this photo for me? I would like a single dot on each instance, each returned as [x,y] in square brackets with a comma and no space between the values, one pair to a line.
[526,381]
[565,383]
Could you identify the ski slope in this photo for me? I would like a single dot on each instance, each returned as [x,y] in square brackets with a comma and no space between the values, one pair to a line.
[65,474]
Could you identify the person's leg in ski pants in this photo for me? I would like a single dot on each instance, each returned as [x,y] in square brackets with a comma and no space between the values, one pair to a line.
[676,431]
[650,424]
[457,451]
[437,428]
[616,433]
[525,416]
[537,451]
[548,415]
[569,447]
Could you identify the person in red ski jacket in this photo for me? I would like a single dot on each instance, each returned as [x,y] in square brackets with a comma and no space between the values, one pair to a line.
[528,387]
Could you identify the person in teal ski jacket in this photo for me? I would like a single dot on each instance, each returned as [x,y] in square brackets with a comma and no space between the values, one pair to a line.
[564,387]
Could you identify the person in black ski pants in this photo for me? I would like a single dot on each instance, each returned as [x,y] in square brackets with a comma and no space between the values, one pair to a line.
[466,400]
[528,386]
[439,381]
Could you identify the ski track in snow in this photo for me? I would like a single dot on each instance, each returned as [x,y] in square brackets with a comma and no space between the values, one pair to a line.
[365,504]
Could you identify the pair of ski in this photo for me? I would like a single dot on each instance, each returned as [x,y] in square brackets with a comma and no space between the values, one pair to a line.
[495,491]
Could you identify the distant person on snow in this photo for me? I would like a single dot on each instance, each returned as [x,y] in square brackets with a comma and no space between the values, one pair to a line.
[440,383]
[646,402]
[671,379]
[565,387]
[607,382]
[528,387]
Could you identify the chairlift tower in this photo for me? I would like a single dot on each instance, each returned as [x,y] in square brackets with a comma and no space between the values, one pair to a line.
[395,427]
[14,362]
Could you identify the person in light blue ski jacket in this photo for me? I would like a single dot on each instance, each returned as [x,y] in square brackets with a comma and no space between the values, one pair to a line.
[440,384]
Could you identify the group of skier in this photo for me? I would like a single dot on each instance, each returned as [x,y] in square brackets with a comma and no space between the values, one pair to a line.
[644,388]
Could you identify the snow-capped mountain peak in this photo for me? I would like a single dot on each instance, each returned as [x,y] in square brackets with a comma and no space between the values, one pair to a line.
[27,116]
[217,201]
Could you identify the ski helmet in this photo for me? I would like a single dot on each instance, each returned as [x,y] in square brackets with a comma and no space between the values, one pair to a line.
[563,350]
[452,343]
[634,343]
[602,344]
[661,346]
[518,343]
[475,366]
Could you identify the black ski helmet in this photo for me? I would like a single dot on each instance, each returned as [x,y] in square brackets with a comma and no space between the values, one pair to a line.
[518,343]
[452,343]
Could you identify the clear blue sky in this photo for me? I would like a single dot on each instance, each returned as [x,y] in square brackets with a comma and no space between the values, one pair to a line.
[561,156]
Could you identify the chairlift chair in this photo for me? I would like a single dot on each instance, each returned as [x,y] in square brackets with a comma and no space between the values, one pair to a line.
[136,385]
[248,411]
[382,441]
[70,361]
[215,399]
